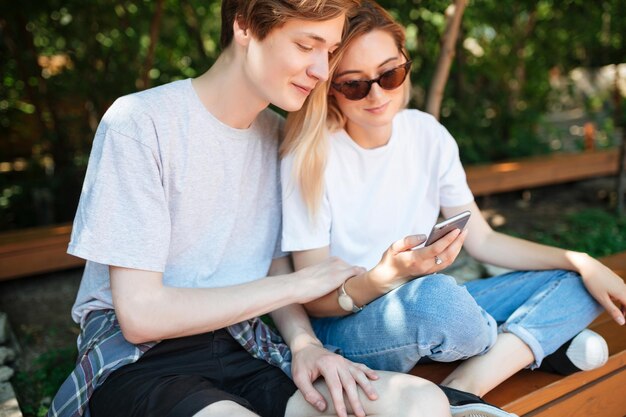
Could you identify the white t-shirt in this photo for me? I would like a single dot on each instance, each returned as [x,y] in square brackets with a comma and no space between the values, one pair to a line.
[170,188]
[373,197]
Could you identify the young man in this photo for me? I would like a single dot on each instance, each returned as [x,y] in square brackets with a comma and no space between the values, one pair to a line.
[179,220]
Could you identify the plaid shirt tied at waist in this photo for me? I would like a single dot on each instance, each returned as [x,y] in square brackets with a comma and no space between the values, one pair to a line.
[102,349]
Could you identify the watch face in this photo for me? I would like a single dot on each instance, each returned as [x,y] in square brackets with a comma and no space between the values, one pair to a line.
[345,302]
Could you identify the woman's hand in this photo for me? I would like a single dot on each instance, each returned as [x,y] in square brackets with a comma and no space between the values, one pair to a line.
[401,263]
[604,285]
[341,376]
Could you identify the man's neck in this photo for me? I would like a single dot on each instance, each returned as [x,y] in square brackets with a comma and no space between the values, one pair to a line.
[227,94]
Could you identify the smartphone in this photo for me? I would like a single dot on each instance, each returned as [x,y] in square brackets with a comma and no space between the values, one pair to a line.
[441,229]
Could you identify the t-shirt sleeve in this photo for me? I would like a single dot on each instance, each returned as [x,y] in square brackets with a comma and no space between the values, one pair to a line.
[122,217]
[453,187]
[300,232]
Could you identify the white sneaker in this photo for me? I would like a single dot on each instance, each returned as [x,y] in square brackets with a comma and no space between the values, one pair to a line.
[584,352]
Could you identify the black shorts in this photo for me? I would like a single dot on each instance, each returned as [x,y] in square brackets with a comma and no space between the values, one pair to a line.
[179,377]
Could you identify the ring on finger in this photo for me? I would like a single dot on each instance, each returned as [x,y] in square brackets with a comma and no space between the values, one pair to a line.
[438,260]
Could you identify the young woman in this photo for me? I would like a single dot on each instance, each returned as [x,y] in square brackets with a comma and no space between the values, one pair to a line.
[363,173]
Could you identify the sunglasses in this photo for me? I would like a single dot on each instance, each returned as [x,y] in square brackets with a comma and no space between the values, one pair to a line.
[388,80]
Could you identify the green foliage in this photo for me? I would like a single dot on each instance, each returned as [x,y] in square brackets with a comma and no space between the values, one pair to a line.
[596,232]
[63,62]
[39,384]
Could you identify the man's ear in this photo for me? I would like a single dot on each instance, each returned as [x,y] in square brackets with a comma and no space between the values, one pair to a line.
[241,34]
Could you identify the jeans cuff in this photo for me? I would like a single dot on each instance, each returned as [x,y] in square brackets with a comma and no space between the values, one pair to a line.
[527,338]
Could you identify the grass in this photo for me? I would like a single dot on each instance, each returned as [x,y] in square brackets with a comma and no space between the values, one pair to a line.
[36,386]
[47,358]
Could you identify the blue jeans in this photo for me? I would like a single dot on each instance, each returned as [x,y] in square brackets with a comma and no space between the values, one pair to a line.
[543,308]
[429,317]
[433,317]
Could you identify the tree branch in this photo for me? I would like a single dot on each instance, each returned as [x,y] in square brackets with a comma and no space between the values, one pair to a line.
[155,26]
[454,13]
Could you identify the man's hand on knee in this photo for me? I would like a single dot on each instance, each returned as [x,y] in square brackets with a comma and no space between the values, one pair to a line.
[340,375]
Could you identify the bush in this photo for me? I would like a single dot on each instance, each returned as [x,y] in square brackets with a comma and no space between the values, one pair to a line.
[594,231]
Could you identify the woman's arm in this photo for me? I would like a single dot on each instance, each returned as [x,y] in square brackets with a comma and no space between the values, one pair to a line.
[487,245]
[398,265]
[327,306]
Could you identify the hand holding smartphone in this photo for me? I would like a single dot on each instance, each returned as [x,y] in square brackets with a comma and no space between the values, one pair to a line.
[443,228]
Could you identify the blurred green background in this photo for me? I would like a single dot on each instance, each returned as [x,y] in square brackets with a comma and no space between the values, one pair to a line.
[526,77]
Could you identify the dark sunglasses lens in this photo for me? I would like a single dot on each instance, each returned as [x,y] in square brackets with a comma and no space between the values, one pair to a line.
[393,78]
[390,80]
[355,90]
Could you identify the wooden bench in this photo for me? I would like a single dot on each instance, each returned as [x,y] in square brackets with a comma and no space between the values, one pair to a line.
[597,393]
[36,251]
[41,250]
[541,170]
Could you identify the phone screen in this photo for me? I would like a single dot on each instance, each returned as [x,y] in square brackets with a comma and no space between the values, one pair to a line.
[443,228]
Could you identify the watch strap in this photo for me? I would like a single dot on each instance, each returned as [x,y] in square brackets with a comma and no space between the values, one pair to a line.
[345,301]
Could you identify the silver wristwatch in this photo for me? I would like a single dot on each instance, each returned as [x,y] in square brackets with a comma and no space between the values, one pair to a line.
[345,301]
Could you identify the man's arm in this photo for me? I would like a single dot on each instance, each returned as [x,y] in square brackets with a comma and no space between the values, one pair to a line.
[310,360]
[149,311]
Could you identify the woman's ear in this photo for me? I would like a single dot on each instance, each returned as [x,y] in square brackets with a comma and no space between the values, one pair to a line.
[241,34]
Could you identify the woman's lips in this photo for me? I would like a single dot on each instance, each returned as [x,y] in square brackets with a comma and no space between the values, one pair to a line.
[377,109]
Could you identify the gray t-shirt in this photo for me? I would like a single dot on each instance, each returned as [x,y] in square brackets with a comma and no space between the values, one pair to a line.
[170,188]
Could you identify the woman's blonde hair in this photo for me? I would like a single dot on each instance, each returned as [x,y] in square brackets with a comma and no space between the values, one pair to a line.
[307,129]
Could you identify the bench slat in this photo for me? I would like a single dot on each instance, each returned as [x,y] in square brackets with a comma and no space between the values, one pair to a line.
[594,401]
[601,398]
[38,250]
[540,171]
[34,251]
[528,391]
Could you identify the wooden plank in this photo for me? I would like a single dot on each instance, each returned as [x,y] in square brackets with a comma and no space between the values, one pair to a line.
[39,250]
[35,251]
[617,262]
[540,171]
[46,259]
[602,398]
[529,390]
[535,397]
[13,240]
